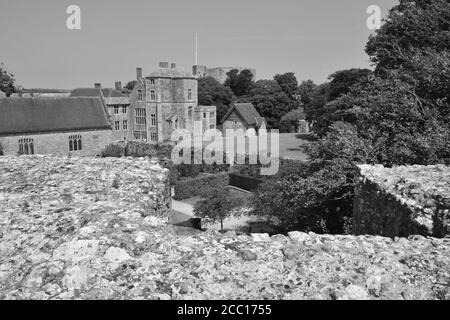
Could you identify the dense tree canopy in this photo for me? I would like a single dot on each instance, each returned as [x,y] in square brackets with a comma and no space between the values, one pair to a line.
[397,116]
[213,93]
[271,101]
[288,83]
[239,82]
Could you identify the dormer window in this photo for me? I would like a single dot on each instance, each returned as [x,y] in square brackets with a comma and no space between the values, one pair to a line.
[140,96]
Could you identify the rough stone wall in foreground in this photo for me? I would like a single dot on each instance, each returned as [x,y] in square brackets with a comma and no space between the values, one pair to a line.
[81,229]
[403,201]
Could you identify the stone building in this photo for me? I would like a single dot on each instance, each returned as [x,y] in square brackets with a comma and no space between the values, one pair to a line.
[242,116]
[115,103]
[2,94]
[218,73]
[58,126]
[164,101]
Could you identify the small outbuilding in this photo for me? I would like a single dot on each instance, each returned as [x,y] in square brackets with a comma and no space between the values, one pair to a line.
[242,116]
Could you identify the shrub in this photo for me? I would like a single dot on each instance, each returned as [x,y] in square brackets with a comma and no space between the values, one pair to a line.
[244,182]
[192,187]
[113,151]
[217,205]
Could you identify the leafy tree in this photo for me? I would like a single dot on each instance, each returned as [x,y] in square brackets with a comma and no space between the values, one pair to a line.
[213,93]
[290,121]
[319,110]
[239,82]
[216,206]
[288,83]
[7,81]
[342,81]
[306,90]
[399,116]
[270,101]
[411,25]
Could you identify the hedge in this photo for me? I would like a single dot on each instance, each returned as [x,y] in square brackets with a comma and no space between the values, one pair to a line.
[244,182]
[192,187]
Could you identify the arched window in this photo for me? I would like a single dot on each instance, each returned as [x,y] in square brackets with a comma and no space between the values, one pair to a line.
[75,143]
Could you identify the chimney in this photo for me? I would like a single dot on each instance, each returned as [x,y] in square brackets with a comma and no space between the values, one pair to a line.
[138,73]
[118,85]
[98,85]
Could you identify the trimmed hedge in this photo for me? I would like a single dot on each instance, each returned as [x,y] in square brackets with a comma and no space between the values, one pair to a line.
[192,187]
[244,182]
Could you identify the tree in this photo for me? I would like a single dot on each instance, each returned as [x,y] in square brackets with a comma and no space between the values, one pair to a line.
[213,93]
[319,111]
[239,82]
[288,83]
[270,101]
[306,90]
[290,121]
[342,81]
[216,206]
[7,81]
[411,25]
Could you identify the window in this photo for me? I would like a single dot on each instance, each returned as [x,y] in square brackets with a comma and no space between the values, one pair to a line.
[211,126]
[212,115]
[189,94]
[152,81]
[190,113]
[140,116]
[153,120]
[140,135]
[116,109]
[75,143]
[26,146]
[154,136]
[117,125]
[152,95]
[125,125]
[204,115]
[140,97]
[124,109]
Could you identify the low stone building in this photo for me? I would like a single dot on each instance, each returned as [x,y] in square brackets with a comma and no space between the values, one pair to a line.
[242,116]
[58,126]
[117,106]
[2,94]
[167,100]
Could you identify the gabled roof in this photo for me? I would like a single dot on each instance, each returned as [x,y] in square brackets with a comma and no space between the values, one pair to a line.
[109,95]
[41,115]
[2,94]
[247,112]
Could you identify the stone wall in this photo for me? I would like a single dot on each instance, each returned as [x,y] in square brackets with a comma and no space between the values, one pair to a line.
[78,228]
[403,201]
[93,142]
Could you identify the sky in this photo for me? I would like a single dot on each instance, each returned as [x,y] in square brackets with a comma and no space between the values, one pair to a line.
[312,38]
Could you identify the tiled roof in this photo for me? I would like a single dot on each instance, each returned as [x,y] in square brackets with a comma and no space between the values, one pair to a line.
[247,112]
[2,94]
[110,96]
[38,115]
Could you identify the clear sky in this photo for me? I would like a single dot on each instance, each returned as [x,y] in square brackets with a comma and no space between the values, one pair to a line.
[312,38]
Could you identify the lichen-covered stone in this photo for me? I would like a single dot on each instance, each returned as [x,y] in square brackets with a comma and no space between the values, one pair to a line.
[96,245]
[403,201]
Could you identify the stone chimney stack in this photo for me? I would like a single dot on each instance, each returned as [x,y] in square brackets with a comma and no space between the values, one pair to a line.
[139,73]
[118,85]
[98,85]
